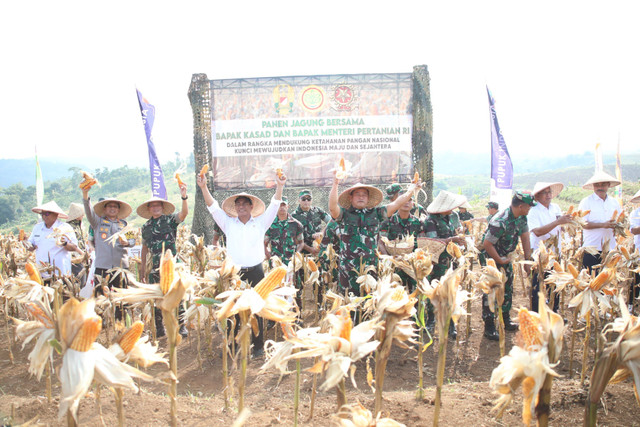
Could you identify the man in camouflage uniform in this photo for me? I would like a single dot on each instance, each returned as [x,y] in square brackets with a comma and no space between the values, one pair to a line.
[501,239]
[357,212]
[400,225]
[493,208]
[331,236]
[393,191]
[158,234]
[440,226]
[311,218]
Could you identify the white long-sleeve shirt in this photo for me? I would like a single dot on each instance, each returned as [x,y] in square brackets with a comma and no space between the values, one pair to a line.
[539,216]
[601,211]
[245,242]
[47,250]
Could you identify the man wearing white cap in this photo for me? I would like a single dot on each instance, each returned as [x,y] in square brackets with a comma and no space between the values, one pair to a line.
[357,212]
[244,221]
[599,228]
[634,227]
[52,239]
[159,233]
[545,220]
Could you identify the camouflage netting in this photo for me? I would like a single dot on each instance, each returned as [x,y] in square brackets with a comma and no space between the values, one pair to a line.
[200,92]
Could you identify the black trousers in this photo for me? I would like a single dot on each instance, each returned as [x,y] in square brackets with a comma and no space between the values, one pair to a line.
[535,288]
[588,260]
[253,275]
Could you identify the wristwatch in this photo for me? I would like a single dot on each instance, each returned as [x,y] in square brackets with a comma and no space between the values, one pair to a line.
[184,198]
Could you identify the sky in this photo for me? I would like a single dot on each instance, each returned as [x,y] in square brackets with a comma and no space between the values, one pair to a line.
[565,75]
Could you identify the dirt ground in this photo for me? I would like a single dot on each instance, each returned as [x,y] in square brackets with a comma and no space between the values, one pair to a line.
[467,398]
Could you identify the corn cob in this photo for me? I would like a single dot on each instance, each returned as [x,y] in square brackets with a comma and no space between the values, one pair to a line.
[347,324]
[21,235]
[129,338]
[416,178]
[613,261]
[491,262]
[312,265]
[342,166]
[614,216]
[271,281]
[529,328]
[33,272]
[176,176]
[204,171]
[87,334]
[585,213]
[454,250]
[573,270]
[279,173]
[601,279]
[625,252]
[557,267]
[528,385]
[570,210]
[88,181]
[167,265]
[621,217]
[38,314]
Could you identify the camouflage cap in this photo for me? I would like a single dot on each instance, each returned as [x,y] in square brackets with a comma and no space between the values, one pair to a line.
[305,192]
[525,196]
[285,200]
[493,205]
[393,189]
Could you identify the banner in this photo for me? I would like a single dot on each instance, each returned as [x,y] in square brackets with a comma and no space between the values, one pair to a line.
[501,167]
[39,182]
[157,178]
[304,125]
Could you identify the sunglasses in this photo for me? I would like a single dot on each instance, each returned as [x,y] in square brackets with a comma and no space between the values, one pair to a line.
[305,199]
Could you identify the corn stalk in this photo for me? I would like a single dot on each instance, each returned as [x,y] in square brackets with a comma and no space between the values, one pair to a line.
[585,353]
[171,326]
[244,337]
[442,359]
[573,341]
[382,356]
[6,324]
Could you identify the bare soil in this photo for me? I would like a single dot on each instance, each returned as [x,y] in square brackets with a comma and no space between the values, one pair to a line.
[467,398]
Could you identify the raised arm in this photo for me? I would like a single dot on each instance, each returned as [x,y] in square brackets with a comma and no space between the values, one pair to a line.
[396,204]
[334,207]
[185,206]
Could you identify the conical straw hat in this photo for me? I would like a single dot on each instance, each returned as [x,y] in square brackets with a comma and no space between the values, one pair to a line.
[229,205]
[556,188]
[76,211]
[125,208]
[446,201]
[636,197]
[600,176]
[375,196]
[167,207]
[50,207]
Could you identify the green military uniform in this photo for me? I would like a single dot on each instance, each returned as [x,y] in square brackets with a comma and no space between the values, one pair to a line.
[284,236]
[77,228]
[465,216]
[331,236]
[440,226]
[397,228]
[217,232]
[158,234]
[311,221]
[418,211]
[503,232]
[358,242]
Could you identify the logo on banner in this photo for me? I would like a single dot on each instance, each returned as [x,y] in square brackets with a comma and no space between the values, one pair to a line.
[312,98]
[283,99]
[343,97]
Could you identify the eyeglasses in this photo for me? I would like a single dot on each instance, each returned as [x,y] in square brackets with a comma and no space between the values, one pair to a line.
[305,199]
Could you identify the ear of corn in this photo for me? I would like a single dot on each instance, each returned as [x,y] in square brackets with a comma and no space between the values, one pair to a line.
[573,270]
[613,261]
[621,217]
[87,334]
[529,328]
[33,272]
[167,267]
[601,279]
[279,173]
[204,171]
[88,181]
[614,216]
[312,265]
[570,210]
[625,252]
[129,338]
[454,250]
[38,314]
[178,179]
[528,385]
[416,178]
[585,213]
[342,166]
[491,262]
[21,235]
[557,267]
[271,281]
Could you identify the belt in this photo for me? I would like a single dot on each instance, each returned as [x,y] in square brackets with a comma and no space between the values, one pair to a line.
[249,269]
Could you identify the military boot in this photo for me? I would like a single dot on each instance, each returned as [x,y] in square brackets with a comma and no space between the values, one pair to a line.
[490,330]
[508,324]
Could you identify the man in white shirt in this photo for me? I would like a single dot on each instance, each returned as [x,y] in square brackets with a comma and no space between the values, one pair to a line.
[545,220]
[599,228]
[53,240]
[634,227]
[244,221]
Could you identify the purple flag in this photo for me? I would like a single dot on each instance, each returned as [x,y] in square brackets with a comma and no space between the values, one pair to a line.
[501,167]
[157,178]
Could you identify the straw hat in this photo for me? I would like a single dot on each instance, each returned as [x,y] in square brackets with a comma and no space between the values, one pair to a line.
[556,188]
[143,210]
[465,205]
[375,196]
[446,201]
[76,211]
[50,207]
[125,208]
[600,176]
[229,205]
[636,197]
